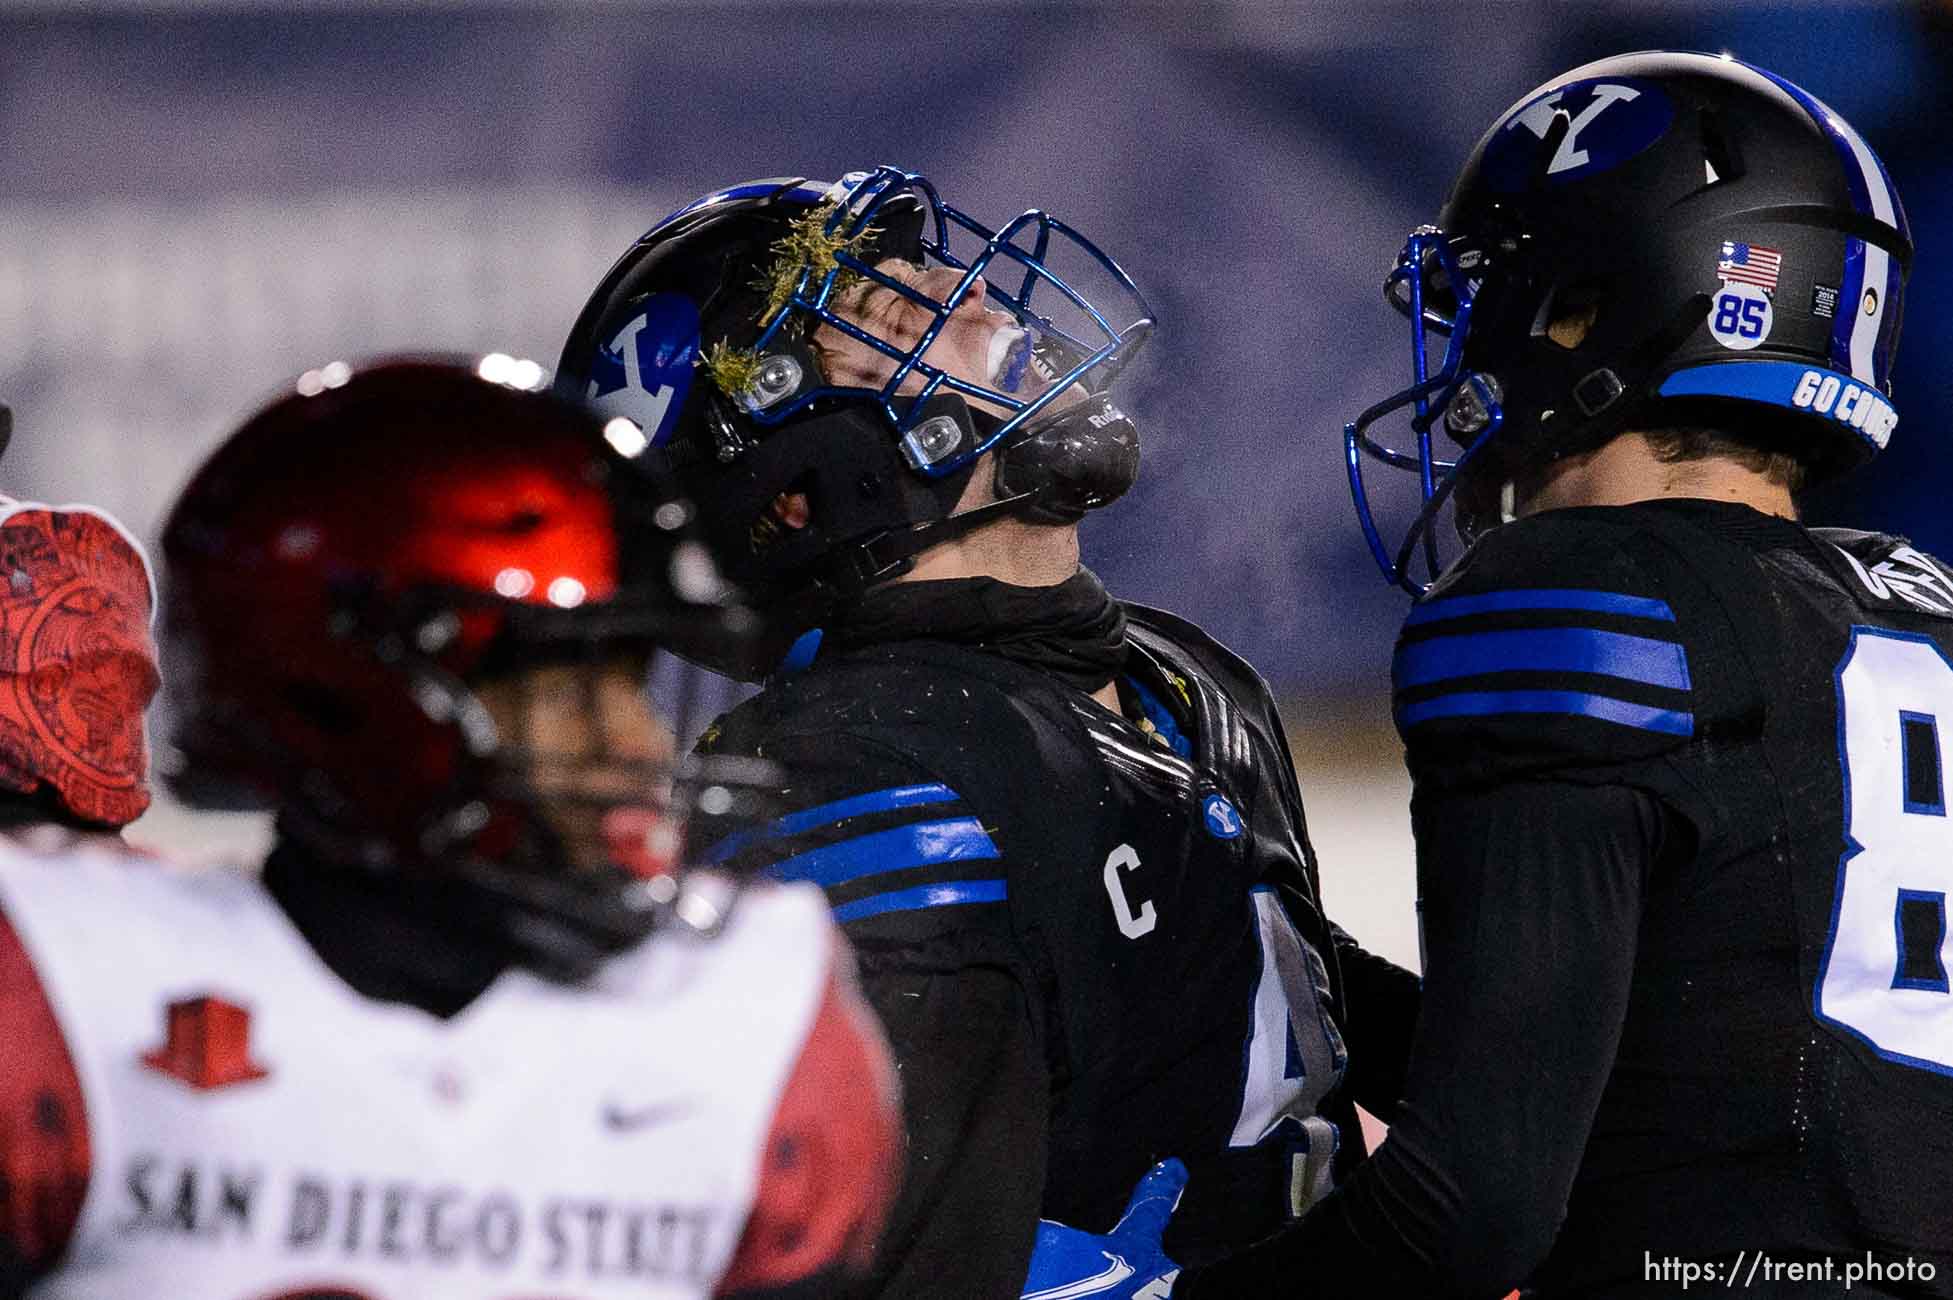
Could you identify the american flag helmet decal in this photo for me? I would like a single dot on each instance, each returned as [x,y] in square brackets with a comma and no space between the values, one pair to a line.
[1742,263]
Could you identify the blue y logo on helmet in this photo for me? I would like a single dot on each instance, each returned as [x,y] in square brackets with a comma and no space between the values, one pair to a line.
[1609,120]
[645,371]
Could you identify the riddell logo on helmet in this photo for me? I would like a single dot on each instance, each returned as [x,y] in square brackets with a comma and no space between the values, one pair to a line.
[1861,408]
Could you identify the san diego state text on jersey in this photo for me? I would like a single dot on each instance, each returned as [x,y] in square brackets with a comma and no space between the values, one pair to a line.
[254,1127]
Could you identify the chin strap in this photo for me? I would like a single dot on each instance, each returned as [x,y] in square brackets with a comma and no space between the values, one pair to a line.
[1607,397]
[889,555]
[1051,473]
[851,570]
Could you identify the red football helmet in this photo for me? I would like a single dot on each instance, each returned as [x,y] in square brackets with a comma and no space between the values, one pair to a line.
[346,564]
[77,663]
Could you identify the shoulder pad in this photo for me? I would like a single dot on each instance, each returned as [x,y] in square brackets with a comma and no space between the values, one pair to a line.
[1886,572]
[1190,642]
[1551,643]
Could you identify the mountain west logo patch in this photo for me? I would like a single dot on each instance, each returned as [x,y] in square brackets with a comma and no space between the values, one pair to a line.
[206,1044]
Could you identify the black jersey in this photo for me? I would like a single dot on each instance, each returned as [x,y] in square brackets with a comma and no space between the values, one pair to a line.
[1683,853]
[1095,940]
[1784,1075]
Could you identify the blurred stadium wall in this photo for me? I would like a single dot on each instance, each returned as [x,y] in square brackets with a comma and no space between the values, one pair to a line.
[201,198]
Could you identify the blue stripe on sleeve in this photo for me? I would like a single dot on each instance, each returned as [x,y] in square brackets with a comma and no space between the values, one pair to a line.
[1485,703]
[1543,649]
[922,844]
[807,819]
[1499,602]
[912,900]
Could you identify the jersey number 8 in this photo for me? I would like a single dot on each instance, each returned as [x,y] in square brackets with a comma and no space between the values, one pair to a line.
[1884,973]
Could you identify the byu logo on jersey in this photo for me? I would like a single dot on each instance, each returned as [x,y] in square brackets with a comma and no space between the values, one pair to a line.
[1223,822]
[1608,121]
[645,370]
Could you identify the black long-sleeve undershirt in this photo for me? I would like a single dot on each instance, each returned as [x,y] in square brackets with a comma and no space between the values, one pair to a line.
[1382,998]
[1532,899]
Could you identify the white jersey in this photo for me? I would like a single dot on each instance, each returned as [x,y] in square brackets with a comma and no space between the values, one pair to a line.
[259,1131]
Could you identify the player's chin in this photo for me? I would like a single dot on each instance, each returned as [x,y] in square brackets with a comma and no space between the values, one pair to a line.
[584,846]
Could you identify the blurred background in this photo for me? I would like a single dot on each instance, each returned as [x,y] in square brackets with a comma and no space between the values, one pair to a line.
[201,198]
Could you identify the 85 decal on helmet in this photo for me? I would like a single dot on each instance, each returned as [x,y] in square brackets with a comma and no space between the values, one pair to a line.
[1655,240]
[859,346]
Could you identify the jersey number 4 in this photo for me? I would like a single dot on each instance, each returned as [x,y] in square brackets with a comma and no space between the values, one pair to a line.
[1884,975]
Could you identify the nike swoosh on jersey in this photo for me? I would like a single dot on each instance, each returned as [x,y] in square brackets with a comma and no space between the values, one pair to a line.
[1116,1272]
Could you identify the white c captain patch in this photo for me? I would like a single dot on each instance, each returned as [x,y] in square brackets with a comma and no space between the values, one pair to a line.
[1134,923]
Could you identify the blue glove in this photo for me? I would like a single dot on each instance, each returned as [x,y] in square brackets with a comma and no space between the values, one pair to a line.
[1126,1263]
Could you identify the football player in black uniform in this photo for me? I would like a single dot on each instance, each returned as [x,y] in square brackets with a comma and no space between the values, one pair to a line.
[1063,832]
[1680,779]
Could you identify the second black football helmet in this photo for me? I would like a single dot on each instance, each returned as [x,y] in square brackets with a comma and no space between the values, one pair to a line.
[1658,239]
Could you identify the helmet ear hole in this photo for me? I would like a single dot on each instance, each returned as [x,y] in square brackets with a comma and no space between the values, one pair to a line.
[1568,315]
[1721,162]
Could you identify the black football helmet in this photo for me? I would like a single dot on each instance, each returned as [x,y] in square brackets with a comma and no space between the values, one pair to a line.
[1657,239]
[703,335]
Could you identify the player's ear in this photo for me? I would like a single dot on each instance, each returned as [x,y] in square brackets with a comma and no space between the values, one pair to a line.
[792,509]
[1570,317]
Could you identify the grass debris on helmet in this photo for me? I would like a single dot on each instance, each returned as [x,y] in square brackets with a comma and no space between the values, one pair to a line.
[705,335]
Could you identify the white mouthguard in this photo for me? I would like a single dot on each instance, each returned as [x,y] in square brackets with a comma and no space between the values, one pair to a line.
[1009,349]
